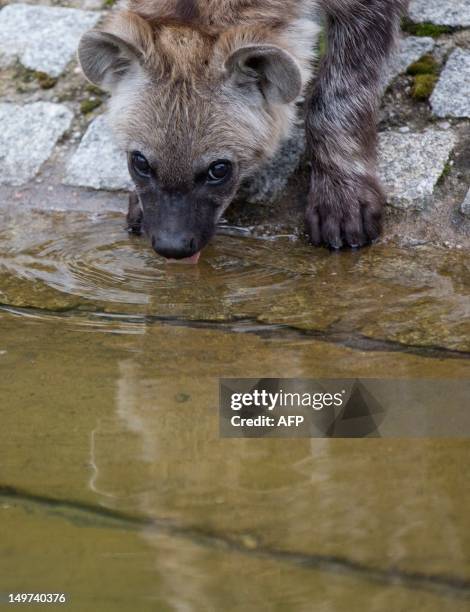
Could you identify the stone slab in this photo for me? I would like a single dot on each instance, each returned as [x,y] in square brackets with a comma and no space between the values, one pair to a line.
[451,97]
[410,164]
[455,13]
[27,138]
[43,38]
[98,163]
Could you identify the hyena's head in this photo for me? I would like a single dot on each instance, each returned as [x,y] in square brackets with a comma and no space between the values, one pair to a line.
[196,113]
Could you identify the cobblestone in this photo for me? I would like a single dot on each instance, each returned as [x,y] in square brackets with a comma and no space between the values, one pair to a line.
[27,138]
[43,38]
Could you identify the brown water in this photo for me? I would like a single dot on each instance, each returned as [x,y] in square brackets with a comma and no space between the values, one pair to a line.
[115,487]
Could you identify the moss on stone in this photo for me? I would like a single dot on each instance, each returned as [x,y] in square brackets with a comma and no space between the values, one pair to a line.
[426,65]
[109,3]
[25,75]
[93,89]
[70,95]
[28,76]
[45,81]
[423,86]
[445,173]
[425,29]
[425,74]
[87,106]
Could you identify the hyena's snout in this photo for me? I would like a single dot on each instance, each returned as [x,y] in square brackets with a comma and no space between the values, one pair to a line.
[178,226]
[175,247]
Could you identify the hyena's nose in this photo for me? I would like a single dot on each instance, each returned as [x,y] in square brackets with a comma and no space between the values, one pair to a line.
[176,248]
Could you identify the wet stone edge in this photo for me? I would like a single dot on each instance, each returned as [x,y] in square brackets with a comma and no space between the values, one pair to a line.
[244,325]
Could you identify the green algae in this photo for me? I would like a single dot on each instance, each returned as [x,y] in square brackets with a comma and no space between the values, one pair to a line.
[425,29]
[89,105]
[425,75]
[426,65]
[423,86]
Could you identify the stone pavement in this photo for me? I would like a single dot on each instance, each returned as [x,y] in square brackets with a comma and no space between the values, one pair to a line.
[54,132]
[43,38]
[451,96]
[454,13]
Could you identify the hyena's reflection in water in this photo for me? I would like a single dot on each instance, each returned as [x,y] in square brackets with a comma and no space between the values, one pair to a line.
[161,457]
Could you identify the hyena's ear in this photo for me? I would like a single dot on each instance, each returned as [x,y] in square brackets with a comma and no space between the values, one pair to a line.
[271,68]
[107,57]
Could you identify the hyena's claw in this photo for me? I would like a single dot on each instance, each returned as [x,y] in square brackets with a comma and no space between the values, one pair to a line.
[134,215]
[339,217]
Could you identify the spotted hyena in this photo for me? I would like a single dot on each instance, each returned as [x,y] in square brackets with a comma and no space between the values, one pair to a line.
[204,91]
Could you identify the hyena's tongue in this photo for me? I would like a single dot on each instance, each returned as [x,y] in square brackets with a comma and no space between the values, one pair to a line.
[193,260]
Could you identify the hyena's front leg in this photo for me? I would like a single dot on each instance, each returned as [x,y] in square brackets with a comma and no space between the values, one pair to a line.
[134,215]
[346,199]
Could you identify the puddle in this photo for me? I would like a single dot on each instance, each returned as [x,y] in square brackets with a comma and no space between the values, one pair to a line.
[109,369]
[409,297]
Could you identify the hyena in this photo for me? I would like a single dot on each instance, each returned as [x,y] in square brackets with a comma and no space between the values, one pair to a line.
[204,91]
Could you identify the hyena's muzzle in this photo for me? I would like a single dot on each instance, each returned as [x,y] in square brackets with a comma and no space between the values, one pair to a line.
[178,226]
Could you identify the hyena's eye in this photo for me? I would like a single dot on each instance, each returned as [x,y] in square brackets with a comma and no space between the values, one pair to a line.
[219,172]
[140,164]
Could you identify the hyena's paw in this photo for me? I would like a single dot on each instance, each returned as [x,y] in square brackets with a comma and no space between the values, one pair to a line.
[134,215]
[343,214]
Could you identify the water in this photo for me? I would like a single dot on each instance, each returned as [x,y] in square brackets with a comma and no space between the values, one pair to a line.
[115,486]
